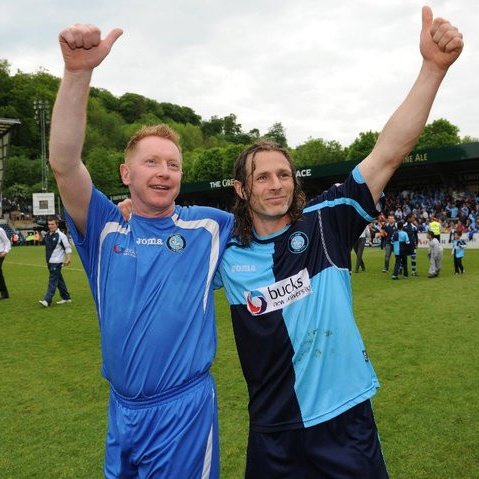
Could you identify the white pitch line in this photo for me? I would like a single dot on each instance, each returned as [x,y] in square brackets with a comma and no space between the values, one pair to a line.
[40,265]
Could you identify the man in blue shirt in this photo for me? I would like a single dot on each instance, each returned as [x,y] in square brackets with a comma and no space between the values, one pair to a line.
[286,277]
[158,335]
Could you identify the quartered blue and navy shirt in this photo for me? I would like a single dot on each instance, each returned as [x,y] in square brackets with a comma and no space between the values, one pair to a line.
[291,303]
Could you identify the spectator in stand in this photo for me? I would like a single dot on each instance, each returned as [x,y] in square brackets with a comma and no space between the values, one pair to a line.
[15,239]
[465,210]
[457,252]
[398,213]
[388,233]
[453,212]
[400,240]
[460,226]
[435,255]
[5,247]
[474,214]
[463,218]
[421,226]
[474,228]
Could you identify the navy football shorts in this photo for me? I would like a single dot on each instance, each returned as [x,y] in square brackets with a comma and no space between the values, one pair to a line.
[174,435]
[345,447]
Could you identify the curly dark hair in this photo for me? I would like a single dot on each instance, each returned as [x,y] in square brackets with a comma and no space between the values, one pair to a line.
[243,227]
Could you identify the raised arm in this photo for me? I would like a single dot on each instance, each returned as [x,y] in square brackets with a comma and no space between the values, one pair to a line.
[83,50]
[440,46]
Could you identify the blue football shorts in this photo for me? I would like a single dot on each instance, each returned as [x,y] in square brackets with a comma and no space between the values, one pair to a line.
[172,436]
[345,447]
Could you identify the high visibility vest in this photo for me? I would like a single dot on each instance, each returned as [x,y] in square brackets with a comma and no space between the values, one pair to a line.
[435,227]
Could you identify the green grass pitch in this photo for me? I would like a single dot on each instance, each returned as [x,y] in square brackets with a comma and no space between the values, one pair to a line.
[422,336]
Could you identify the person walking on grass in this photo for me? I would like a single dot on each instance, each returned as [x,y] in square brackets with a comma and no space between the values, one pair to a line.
[5,247]
[458,245]
[359,248]
[435,255]
[388,231]
[58,253]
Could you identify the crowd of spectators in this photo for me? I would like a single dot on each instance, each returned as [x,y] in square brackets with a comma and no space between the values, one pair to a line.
[19,223]
[455,210]
[17,210]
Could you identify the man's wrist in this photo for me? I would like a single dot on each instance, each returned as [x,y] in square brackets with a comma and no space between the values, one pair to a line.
[433,69]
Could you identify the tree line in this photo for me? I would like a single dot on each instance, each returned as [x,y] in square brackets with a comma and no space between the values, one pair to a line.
[210,146]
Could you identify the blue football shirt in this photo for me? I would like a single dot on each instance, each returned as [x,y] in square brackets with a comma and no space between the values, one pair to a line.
[291,303]
[151,280]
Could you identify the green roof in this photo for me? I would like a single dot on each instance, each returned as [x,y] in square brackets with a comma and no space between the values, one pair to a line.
[466,151]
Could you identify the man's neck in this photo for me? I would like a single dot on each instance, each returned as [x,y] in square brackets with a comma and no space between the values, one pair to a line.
[269,226]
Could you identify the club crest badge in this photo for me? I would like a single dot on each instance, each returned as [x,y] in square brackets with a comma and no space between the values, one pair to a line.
[298,242]
[176,243]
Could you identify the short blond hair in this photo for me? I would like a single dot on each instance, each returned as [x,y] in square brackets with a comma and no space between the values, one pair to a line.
[162,130]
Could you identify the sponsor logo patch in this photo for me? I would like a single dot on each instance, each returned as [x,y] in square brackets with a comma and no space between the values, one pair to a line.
[256,302]
[120,249]
[278,295]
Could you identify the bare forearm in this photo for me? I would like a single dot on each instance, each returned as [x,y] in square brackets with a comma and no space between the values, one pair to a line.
[82,50]
[67,136]
[67,133]
[440,45]
[403,129]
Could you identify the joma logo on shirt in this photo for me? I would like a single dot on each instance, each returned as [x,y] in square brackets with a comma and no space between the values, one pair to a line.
[278,295]
[150,241]
[243,268]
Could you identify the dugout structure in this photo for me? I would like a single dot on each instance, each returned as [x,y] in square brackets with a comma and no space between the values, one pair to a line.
[6,127]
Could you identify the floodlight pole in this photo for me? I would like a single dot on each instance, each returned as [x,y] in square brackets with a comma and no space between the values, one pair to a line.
[42,116]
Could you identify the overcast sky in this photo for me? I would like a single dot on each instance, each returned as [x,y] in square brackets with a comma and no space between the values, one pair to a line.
[324,69]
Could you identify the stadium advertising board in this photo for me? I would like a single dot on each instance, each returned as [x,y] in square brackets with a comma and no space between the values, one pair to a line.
[43,204]
[446,240]
[225,182]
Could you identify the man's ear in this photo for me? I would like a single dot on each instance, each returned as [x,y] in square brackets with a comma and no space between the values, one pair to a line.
[125,174]
[238,186]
